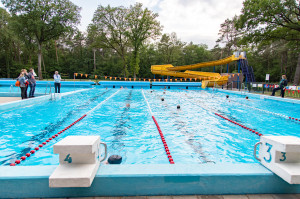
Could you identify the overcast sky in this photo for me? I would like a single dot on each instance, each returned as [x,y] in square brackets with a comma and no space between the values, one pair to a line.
[193,20]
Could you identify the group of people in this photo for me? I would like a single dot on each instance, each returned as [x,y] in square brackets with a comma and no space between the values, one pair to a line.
[27,79]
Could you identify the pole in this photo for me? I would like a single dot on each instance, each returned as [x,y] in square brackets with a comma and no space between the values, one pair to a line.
[227,68]
[74,81]
[238,78]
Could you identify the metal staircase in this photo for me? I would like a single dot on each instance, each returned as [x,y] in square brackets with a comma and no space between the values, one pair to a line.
[247,70]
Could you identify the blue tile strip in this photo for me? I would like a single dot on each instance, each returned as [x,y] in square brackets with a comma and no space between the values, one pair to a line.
[132,180]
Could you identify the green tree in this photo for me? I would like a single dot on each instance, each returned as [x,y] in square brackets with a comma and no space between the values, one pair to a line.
[228,36]
[143,25]
[45,19]
[170,48]
[271,20]
[5,41]
[107,31]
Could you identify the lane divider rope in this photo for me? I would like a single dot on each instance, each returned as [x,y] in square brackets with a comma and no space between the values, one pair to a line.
[265,111]
[236,123]
[160,132]
[23,158]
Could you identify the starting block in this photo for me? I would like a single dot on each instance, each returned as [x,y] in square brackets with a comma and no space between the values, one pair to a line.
[280,154]
[79,160]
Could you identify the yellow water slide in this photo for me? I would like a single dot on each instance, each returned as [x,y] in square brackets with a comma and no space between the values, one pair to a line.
[208,78]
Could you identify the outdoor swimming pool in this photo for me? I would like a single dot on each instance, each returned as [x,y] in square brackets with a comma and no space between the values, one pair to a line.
[195,135]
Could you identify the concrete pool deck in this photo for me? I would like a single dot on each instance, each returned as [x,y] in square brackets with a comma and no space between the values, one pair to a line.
[8,99]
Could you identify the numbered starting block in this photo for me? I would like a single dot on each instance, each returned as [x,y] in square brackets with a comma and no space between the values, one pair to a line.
[280,154]
[79,160]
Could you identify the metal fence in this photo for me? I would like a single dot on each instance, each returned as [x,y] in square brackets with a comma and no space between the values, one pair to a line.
[262,88]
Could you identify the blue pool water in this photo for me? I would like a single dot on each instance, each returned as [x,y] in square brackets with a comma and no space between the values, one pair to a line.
[195,135]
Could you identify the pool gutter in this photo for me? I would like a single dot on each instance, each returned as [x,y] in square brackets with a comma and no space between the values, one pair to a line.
[30,101]
[160,179]
[295,101]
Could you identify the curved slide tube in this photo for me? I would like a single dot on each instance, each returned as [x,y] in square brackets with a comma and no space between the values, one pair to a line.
[209,79]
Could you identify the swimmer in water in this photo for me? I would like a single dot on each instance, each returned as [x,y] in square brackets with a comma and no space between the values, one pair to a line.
[127,105]
[114,159]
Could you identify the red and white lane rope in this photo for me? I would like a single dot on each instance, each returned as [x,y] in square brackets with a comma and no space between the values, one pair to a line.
[23,158]
[262,110]
[236,123]
[160,132]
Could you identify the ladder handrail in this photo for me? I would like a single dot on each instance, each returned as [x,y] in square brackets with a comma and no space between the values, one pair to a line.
[11,89]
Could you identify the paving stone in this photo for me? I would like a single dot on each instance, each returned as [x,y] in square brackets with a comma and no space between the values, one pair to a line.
[79,198]
[210,197]
[286,196]
[235,197]
[260,196]
[134,197]
[159,197]
[105,198]
[185,197]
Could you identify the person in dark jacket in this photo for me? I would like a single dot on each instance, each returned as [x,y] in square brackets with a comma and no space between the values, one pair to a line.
[282,84]
[32,82]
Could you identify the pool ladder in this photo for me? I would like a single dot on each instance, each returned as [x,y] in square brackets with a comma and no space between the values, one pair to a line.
[11,89]
[243,90]
[50,91]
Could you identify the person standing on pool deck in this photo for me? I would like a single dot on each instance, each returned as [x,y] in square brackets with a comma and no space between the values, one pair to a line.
[32,82]
[57,79]
[282,85]
[22,81]
[24,71]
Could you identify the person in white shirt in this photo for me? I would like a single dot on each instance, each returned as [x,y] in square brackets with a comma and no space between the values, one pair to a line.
[57,79]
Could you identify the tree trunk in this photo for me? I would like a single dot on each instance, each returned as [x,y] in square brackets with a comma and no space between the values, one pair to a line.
[94,60]
[40,61]
[44,65]
[297,73]
[7,66]
[56,52]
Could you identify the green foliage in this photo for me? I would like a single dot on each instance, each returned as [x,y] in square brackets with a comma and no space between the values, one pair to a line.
[44,20]
[142,25]
[264,21]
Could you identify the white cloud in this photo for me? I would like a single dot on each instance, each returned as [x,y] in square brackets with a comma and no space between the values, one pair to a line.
[194,20]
